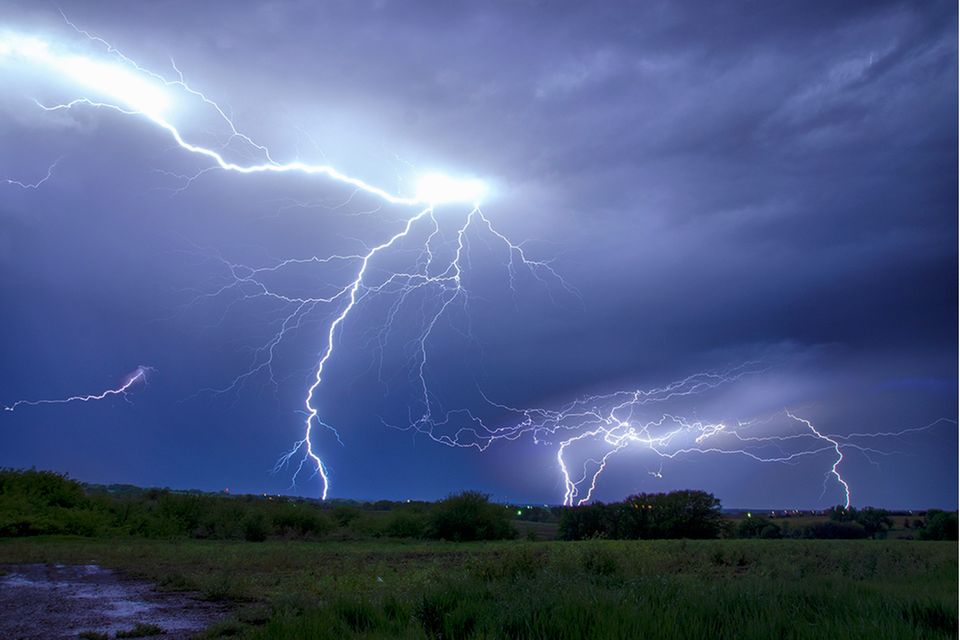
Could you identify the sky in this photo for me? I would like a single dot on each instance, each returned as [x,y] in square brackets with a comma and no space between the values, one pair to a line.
[762,193]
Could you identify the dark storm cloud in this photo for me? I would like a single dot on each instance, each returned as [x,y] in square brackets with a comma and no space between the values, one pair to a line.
[720,181]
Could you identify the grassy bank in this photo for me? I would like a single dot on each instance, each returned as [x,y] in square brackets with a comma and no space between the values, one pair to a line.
[623,589]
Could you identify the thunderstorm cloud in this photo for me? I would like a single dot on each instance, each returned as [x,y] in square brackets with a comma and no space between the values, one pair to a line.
[717,183]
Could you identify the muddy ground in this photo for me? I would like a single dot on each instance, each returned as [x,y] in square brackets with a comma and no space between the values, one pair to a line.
[41,602]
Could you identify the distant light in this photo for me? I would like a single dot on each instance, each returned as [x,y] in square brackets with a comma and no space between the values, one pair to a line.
[438,188]
[519,512]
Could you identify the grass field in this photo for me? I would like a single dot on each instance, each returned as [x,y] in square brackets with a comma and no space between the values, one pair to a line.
[519,589]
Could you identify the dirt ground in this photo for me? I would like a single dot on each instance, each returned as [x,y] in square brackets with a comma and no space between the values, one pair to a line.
[46,602]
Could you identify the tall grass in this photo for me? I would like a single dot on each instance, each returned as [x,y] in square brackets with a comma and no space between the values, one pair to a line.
[606,589]
[637,590]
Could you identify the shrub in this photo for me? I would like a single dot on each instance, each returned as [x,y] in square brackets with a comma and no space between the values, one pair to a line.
[835,531]
[940,525]
[345,515]
[41,502]
[470,516]
[295,520]
[759,528]
[255,527]
[41,488]
[405,525]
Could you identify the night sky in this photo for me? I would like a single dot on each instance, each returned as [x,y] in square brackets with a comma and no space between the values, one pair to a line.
[716,183]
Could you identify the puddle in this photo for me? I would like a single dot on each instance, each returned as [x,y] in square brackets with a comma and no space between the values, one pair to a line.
[47,602]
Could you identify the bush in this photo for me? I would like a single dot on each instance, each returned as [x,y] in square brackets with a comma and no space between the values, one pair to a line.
[41,502]
[41,488]
[344,515]
[940,525]
[405,525]
[256,527]
[293,520]
[759,528]
[470,516]
[834,531]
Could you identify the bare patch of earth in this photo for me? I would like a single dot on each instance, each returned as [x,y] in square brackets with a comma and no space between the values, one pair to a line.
[50,602]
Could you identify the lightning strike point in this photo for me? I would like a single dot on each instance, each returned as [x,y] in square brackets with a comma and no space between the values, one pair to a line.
[438,188]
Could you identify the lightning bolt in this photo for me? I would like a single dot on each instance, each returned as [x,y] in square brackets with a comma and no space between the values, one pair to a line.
[129,89]
[836,464]
[139,92]
[136,376]
[601,426]
[32,186]
[351,292]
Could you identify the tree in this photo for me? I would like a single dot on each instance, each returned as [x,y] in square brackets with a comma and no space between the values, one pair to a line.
[875,522]
[583,522]
[679,514]
[940,525]
[687,514]
[470,516]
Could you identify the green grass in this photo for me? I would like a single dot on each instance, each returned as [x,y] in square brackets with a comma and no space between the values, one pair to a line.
[616,589]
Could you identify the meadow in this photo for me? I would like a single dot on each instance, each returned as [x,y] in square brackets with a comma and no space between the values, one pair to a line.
[526,589]
[467,568]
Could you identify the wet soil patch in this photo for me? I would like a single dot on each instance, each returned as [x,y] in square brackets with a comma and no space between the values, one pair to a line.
[47,602]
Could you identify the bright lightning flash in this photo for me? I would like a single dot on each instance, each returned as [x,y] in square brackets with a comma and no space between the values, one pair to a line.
[436,188]
[598,427]
[130,89]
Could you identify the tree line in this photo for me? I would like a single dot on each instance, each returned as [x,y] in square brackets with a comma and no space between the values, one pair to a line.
[45,503]
[697,514]
[678,514]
